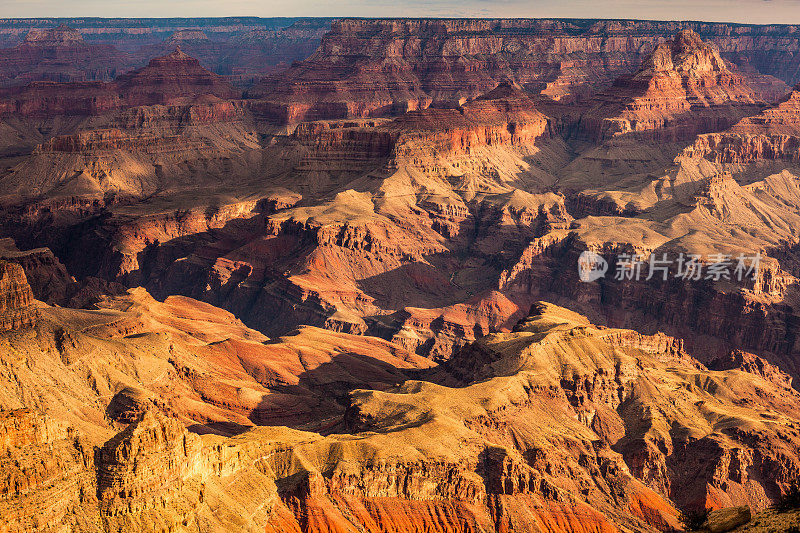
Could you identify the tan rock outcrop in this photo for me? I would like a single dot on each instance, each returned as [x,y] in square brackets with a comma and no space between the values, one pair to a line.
[16,299]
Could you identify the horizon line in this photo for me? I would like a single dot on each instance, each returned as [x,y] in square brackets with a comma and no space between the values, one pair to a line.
[353,17]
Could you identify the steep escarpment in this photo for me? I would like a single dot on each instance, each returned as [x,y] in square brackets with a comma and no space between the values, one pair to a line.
[16,299]
[47,477]
[437,182]
[751,312]
[60,55]
[683,88]
[138,151]
[381,67]
[771,135]
[318,308]
[173,76]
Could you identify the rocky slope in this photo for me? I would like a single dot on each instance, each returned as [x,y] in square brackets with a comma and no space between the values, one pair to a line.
[308,276]
[348,256]
[173,78]
[137,152]
[137,135]
[107,364]
[628,420]
[87,49]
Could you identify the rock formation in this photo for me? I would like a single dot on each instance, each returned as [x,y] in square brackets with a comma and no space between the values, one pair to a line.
[683,88]
[321,306]
[169,78]
[771,135]
[173,78]
[16,299]
[403,65]
[242,49]
[60,55]
[492,464]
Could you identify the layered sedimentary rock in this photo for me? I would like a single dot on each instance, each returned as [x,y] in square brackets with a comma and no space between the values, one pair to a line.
[46,474]
[308,278]
[49,280]
[60,55]
[192,360]
[425,456]
[747,313]
[16,298]
[48,99]
[138,151]
[171,77]
[347,256]
[244,57]
[768,136]
[683,88]
[242,49]
[381,67]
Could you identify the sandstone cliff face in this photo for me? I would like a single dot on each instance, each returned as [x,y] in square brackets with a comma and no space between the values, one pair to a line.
[143,469]
[136,152]
[416,63]
[173,76]
[771,135]
[16,298]
[368,247]
[342,253]
[47,479]
[683,88]
[47,99]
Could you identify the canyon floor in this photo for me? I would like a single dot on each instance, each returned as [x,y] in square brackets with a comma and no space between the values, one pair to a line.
[312,275]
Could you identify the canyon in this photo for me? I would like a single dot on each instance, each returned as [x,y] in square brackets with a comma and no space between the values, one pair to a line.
[319,275]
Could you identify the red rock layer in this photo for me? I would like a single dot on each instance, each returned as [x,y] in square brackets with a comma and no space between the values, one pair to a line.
[46,473]
[169,78]
[47,99]
[683,88]
[559,425]
[380,67]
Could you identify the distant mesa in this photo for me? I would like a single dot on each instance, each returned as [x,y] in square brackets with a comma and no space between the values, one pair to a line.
[62,35]
[188,36]
[172,78]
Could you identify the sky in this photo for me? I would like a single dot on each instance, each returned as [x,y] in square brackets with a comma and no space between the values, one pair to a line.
[749,11]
